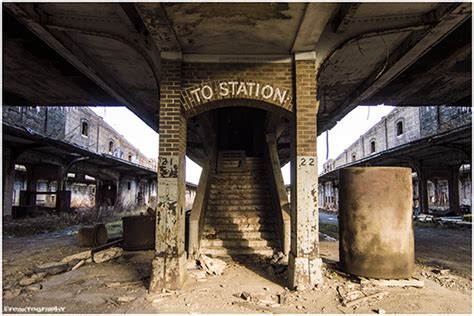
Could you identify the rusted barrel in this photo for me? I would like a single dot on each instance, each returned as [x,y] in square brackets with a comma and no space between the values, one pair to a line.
[92,236]
[375,222]
[138,232]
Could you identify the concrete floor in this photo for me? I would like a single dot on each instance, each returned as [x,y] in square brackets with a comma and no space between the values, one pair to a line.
[120,285]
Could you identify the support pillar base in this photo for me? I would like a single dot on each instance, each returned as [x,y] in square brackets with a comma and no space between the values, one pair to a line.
[167,273]
[304,272]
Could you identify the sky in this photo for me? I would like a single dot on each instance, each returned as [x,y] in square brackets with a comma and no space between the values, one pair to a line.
[341,136]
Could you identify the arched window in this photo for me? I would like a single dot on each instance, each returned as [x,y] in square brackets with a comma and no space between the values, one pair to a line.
[84,128]
[111,146]
[353,157]
[372,146]
[129,157]
[400,128]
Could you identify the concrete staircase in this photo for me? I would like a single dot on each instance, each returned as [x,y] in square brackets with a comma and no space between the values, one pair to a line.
[239,220]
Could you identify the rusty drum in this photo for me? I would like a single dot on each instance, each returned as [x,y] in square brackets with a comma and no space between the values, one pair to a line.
[92,236]
[375,222]
[138,232]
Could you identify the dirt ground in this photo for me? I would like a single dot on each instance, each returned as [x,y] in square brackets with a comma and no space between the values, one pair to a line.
[120,285]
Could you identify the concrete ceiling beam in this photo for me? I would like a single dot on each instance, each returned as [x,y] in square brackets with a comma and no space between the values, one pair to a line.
[161,30]
[410,50]
[344,16]
[53,31]
[315,18]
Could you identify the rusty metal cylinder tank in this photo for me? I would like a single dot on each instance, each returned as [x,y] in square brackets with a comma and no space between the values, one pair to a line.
[139,232]
[92,236]
[375,222]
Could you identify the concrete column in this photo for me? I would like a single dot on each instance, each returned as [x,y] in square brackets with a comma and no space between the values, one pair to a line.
[168,266]
[375,222]
[304,264]
[453,190]
[8,181]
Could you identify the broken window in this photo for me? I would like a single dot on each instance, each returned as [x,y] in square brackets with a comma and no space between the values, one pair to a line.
[129,185]
[85,128]
[111,146]
[372,146]
[399,128]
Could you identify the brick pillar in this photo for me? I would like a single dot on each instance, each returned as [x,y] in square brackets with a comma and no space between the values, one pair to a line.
[168,267]
[453,190]
[304,262]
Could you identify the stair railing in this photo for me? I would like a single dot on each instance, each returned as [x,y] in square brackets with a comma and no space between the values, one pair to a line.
[280,197]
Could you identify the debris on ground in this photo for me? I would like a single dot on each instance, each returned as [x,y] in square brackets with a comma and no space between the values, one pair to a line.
[195,270]
[12,293]
[78,265]
[377,295]
[52,268]
[212,266]
[78,256]
[108,254]
[245,296]
[198,274]
[126,299]
[441,271]
[34,278]
[266,299]
[34,287]
[279,257]
[392,283]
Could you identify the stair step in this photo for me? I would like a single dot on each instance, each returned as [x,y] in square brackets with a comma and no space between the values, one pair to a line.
[251,182]
[238,243]
[239,186]
[264,195]
[236,208]
[244,191]
[247,235]
[238,220]
[241,201]
[225,252]
[247,214]
[239,227]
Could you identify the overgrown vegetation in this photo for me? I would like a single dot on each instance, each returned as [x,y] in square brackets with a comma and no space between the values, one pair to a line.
[331,230]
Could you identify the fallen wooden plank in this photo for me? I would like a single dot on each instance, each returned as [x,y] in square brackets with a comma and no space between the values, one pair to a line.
[365,298]
[393,283]
[78,265]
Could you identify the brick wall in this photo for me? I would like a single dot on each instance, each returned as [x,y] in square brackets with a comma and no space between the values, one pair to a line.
[384,134]
[307,108]
[275,73]
[65,123]
[278,76]
[439,119]
[48,121]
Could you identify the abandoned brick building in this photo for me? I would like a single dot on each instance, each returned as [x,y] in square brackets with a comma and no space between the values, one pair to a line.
[389,143]
[78,128]
[241,89]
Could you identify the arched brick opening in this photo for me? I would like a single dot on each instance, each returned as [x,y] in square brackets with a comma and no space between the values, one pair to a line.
[238,102]
[215,94]
[278,123]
